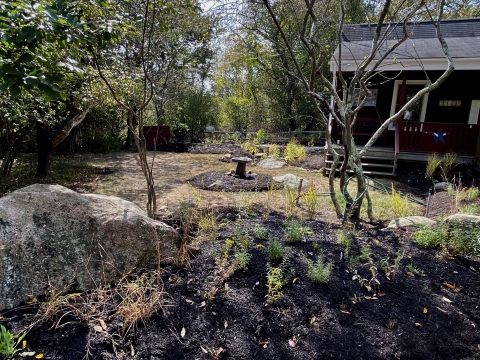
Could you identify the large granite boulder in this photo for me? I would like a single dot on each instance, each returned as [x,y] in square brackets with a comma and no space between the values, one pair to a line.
[290,180]
[53,237]
[410,221]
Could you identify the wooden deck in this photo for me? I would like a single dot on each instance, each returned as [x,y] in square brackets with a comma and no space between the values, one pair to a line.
[381,160]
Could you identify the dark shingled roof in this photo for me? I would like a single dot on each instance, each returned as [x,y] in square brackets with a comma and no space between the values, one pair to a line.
[461,35]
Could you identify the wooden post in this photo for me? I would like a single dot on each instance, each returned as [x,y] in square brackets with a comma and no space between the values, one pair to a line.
[402,103]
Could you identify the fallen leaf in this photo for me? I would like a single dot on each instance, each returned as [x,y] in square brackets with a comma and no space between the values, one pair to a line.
[203,304]
[97,328]
[473,325]
[189,281]
[39,356]
[182,333]
[265,346]
[219,351]
[27,353]
[455,272]
[1,317]
[418,325]
[260,246]
[24,344]
[132,350]
[203,349]
[345,312]
[31,301]
[410,273]
[291,343]
[472,268]
[295,280]
[225,324]
[381,293]
[446,300]
[445,311]
[312,320]
[447,285]
[425,310]
[102,324]
[189,301]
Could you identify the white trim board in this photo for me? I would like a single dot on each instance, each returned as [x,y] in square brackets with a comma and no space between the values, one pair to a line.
[412,64]
[396,89]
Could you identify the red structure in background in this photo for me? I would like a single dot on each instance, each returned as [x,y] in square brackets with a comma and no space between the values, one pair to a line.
[162,134]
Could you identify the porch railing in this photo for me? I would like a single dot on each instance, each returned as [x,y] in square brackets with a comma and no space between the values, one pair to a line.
[437,137]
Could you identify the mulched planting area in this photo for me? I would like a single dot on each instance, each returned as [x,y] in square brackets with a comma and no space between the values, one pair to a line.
[219,181]
[211,312]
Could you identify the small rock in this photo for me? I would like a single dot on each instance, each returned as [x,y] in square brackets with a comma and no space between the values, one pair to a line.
[226,157]
[442,186]
[410,221]
[258,155]
[216,183]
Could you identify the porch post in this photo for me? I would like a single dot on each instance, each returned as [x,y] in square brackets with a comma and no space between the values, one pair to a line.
[402,103]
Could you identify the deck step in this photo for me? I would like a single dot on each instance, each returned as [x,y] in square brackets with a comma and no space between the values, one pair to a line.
[369,172]
[367,164]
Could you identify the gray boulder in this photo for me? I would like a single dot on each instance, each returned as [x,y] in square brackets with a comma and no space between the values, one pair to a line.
[463,218]
[54,238]
[271,163]
[290,180]
[410,221]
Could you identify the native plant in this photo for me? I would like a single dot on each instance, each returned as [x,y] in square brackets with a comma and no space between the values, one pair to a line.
[275,249]
[274,284]
[9,346]
[344,241]
[295,231]
[400,205]
[260,232]
[290,195]
[430,237]
[319,271]
[433,162]
[310,198]
[274,151]
[294,151]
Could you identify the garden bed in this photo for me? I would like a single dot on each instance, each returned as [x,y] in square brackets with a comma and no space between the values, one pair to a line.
[427,308]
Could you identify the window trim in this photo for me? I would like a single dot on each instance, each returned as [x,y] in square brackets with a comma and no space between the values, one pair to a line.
[396,89]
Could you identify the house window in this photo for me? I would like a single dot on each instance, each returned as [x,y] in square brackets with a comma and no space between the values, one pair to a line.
[451,103]
[417,111]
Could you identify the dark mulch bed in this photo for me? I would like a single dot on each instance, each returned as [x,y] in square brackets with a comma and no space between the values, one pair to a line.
[219,181]
[408,317]
[214,148]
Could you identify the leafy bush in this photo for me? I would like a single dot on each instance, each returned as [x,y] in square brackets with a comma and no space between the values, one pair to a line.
[344,241]
[319,272]
[274,284]
[8,345]
[293,151]
[179,132]
[260,232]
[242,258]
[275,249]
[102,144]
[295,231]
[400,206]
[430,237]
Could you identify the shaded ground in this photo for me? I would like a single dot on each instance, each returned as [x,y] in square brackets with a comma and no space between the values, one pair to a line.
[408,317]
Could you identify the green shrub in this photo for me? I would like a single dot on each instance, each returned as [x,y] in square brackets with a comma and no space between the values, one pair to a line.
[344,241]
[274,283]
[275,249]
[295,231]
[319,272]
[430,237]
[260,232]
[8,344]
[400,206]
[293,151]
[242,258]
[102,144]
[179,132]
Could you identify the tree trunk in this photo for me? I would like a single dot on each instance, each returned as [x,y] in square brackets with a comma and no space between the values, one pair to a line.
[44,148]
